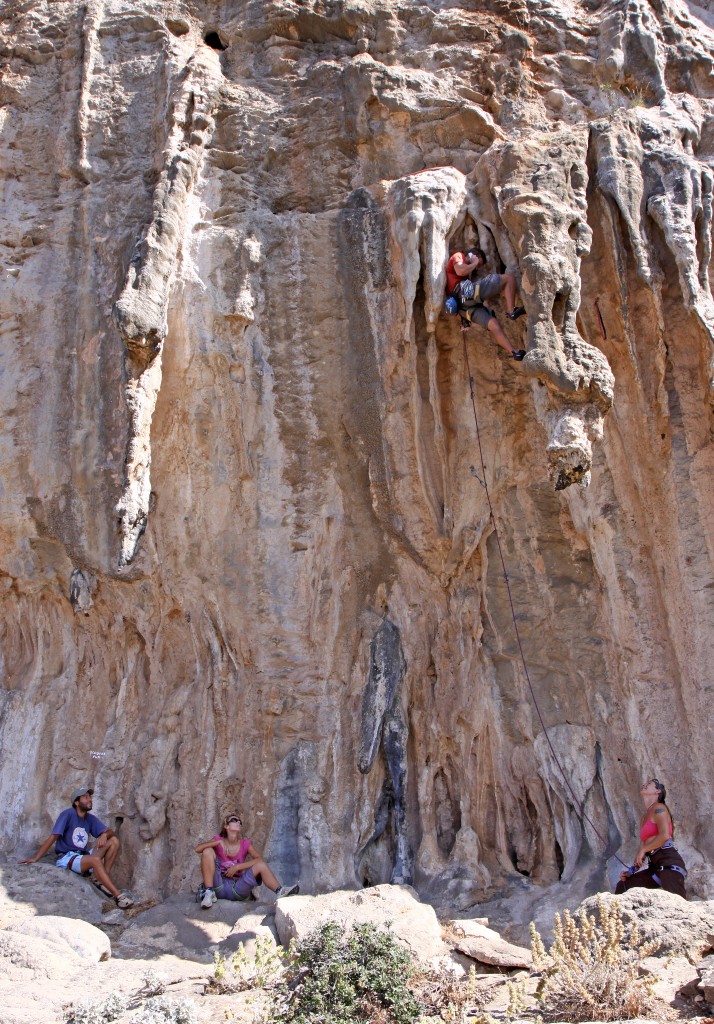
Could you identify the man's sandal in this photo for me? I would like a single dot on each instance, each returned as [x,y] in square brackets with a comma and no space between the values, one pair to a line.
[102,888]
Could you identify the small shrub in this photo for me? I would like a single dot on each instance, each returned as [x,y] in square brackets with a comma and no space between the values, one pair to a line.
[152,984]
[358,978]
[165,1010]
[453,1000]
[242,972]
[100,1012]
[591,972]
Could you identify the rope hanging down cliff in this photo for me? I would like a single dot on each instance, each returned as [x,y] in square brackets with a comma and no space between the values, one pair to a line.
[579,807]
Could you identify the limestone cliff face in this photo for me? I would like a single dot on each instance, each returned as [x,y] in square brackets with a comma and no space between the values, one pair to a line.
[246,553]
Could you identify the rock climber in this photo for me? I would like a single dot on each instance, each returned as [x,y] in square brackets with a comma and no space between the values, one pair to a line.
[231,867]
[665,868]
[71,835]
[466,296]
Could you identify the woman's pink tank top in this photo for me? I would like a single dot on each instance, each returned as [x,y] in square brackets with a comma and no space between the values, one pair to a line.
[649,830]
[224,861]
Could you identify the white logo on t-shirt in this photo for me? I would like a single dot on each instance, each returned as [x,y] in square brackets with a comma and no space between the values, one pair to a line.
[80,837]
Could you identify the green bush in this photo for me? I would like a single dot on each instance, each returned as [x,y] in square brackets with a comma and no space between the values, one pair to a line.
[355,978]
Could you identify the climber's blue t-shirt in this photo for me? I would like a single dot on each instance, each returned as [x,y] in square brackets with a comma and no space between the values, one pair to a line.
[74,832]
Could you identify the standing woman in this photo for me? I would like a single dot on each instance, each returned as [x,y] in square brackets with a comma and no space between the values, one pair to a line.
[665,867]
[231,867]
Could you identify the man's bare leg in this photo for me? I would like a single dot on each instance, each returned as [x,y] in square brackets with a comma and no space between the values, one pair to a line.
[108,853]
[509,292]
[497,331]
[90,862]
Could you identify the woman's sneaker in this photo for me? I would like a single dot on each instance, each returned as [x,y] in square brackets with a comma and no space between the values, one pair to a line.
[515,313]
[519,354]
[287,890]
[124,901]
[209,898]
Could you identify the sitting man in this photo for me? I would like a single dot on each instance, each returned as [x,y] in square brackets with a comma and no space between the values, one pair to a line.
[71,834]
[467,297]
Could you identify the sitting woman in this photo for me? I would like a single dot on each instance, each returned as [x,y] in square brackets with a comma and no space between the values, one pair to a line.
[665,867]
[231,867]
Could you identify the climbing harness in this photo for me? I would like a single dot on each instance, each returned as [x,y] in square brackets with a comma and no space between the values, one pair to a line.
[579,807]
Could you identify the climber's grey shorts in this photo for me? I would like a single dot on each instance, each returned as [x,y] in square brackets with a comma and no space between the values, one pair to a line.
[489,286]
[478,314]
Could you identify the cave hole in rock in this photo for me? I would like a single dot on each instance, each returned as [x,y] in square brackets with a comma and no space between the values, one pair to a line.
[447,813]
[701,236]
[213,39]
[465,237]
[514,860]
[558,313]
[499,267]
[431,461]
[559,859]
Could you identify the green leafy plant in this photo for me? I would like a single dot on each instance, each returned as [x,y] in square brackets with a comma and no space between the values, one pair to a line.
[591,970]
[356,978]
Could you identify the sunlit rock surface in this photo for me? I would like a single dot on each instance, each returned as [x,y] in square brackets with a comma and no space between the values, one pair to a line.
[245,549]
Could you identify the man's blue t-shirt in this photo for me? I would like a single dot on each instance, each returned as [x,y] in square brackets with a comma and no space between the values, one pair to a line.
[74,832]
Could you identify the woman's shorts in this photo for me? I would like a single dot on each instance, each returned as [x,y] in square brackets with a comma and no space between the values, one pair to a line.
[76,865]
[237,888]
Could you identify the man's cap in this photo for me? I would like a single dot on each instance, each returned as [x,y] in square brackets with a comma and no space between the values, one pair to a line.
[80,792]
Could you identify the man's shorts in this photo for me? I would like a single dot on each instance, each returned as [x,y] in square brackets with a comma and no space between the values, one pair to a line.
[489,286]
[477,315]
[237,888]
[76,864]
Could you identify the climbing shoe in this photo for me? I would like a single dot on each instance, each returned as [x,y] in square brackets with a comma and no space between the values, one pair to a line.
[124,901]
[518,354]
[287,890]
[518,311]
[209,898]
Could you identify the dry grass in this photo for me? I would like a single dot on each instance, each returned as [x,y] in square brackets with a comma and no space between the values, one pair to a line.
[591,972]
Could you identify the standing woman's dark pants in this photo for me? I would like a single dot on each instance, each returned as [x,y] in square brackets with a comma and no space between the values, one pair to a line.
[659,871]
[672,881]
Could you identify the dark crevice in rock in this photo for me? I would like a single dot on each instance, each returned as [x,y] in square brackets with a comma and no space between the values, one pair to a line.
[384,723]
[214,40]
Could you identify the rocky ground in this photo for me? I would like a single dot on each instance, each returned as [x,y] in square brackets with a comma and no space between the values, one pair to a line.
[61,946]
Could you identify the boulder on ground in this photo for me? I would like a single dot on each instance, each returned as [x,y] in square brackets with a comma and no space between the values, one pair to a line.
[670,977]
[88,942]
[398,907]
[680,927]
[180,925]
[28,889]
[706,982]
[484,944]
[26,958]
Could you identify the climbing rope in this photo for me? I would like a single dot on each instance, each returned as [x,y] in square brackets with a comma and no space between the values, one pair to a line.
[580,811]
